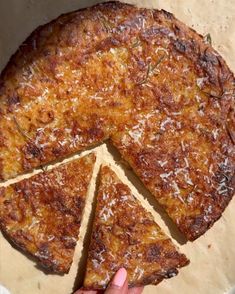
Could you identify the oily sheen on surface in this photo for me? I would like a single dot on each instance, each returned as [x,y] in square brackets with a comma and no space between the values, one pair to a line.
[124,234]
[143,79]
[42,215]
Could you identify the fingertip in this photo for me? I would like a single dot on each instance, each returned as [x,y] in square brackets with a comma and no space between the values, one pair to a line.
[136,290]
[120,277]
[81,291]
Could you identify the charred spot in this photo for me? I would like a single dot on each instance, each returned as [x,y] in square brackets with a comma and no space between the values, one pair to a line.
[181,46]
[22,238]
[75,127]
[126,222]
[176,28]
[46,52]
[168,15]
[95,133]
[68,242]
[153,253]
[108,43]
[171,254]
[221,176]
[113,5]
[58,151]
[43,251]
[198,222]
[209,58]
[7,202]
[16,215]
[18,186]
[45,116]
[154,279]
[147,222]
[167,100]
[225,172]
[115,104]
[30,151]
[96,249]
[208,61]
[57,199]
[194,227]
[79,202]
[153,31]
[114,42]
[171,273]
[12,101]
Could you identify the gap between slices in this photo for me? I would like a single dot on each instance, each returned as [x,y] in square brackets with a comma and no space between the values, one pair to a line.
[139,77]
[124,234]
[42,215]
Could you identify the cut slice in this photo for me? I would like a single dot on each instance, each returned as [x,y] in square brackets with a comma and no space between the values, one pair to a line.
[125,235]
[42,214]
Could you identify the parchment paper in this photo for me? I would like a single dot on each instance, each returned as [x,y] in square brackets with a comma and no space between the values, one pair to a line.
[212,267]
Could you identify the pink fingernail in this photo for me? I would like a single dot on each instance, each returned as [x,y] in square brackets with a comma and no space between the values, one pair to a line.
[120,277]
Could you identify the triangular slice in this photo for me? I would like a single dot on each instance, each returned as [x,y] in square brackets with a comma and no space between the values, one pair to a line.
[125,235]
[42,214]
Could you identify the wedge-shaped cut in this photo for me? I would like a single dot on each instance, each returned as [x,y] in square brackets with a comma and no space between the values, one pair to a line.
[42,214]
[125,235]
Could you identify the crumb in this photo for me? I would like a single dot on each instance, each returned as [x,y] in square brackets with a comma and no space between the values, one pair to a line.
[209,246]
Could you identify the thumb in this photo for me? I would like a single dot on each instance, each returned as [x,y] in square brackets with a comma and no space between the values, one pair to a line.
[119,283]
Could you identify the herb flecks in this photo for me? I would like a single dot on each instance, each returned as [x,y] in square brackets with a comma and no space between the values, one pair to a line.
[26,136]
[21,131]
[212,95]
[136,43]
[207,39]
[105,23]
[150,70]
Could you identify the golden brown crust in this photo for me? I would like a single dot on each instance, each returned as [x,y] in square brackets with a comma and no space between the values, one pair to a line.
[141,77]
[42,214]
[183,147]
[124,234]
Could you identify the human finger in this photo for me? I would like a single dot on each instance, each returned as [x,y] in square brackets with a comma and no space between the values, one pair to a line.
[119,284]
[136,290]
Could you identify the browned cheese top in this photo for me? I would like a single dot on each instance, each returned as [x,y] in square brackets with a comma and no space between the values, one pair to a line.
[124,234]
[42,214]
[139,76]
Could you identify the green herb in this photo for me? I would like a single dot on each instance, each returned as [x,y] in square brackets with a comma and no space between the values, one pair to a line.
[136,43]
[25,135]
[211,95]
[150,70]
[207,39]
[21,131]
[105,23]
